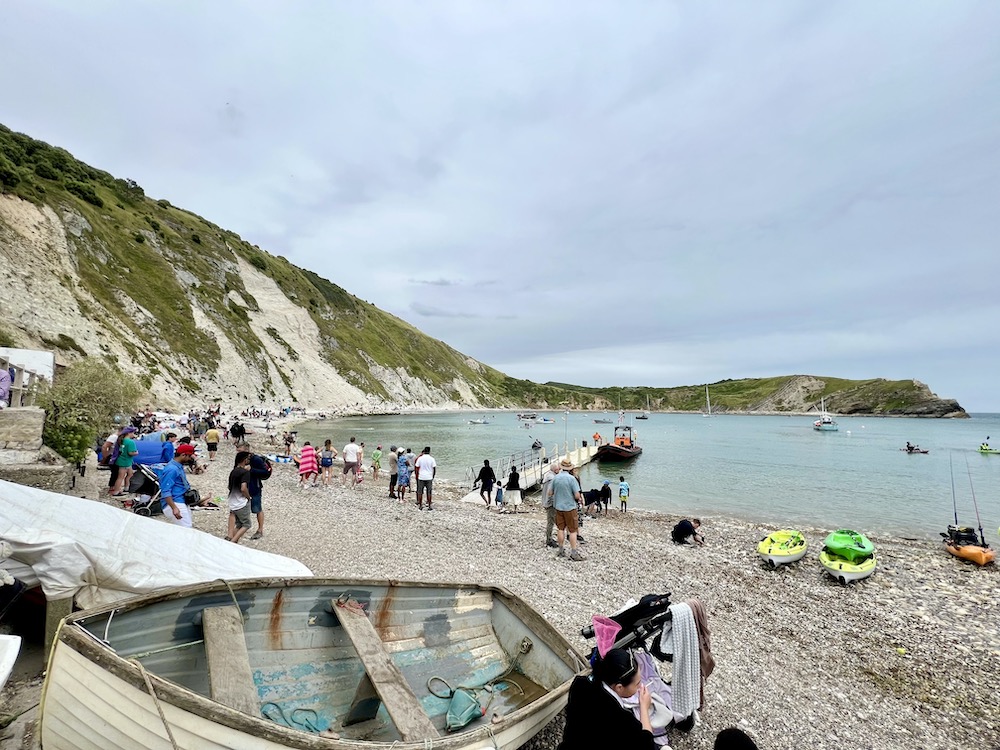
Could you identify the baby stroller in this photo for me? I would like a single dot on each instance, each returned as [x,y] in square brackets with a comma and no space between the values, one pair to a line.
[146,487]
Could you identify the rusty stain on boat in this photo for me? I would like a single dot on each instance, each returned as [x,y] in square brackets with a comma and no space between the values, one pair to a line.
[383,616]
[274,625]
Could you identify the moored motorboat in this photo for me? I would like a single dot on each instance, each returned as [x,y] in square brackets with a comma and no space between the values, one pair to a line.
[545,420]
[782,547]
[306,663]
[844,570]
[850,545]
[825,423]
[602,421]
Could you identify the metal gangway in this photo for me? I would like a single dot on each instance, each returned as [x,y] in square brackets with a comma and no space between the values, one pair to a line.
[531,465]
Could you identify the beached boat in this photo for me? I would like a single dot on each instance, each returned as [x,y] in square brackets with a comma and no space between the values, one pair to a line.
[825,423]
[622,448]
[316,664]
[844,570]
[851,545]
[962,542]
[782,547]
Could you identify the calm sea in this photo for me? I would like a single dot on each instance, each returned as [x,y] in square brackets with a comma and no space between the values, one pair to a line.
[763,468]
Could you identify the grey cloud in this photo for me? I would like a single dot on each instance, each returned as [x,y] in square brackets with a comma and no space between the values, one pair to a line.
[684,192]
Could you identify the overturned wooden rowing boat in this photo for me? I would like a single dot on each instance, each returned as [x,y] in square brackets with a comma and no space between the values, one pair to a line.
[308,663]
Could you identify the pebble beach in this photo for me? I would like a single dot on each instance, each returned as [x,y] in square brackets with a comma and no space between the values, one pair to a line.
[905,659]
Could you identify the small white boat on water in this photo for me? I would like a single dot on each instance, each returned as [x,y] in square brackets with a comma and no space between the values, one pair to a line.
[314,664]
[708,404]
[825,423]
[482,420]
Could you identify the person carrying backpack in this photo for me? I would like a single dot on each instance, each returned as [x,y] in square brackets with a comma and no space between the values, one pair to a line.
[260,472]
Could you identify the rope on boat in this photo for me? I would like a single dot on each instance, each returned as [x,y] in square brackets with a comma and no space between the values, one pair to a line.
[489,686]
[235,602]
[156,701]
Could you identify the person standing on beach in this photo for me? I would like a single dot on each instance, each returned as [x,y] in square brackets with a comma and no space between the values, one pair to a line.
[392,460]
[260,471]
[351,451]
[212,442]
[326,457]
[565,492]
[486,479]
[239,498]
[623,493]
[308,466]
[376,462]
[513,490]
[403,470]
[550,510]
[426,470]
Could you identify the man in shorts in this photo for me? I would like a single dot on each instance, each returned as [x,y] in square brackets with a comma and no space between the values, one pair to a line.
[352,455]
[239,498]
[426,470]
[565,493]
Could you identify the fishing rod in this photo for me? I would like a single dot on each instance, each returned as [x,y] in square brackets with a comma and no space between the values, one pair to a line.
[982,537]
[954,503]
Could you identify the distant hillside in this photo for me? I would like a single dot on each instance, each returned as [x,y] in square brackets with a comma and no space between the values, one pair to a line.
[94,267]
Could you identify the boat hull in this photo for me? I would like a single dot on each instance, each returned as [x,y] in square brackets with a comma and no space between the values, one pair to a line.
[989,451]
[825,427]
[845,571]
[612,453]
[972,552]
[782,547]
[303,664]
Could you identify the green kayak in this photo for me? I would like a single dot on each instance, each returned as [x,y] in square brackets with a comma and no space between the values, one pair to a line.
[850,545]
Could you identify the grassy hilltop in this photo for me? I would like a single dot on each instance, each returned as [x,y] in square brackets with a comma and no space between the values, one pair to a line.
[163,288]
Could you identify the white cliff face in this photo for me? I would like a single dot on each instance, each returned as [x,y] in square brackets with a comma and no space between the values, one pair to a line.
[43,299]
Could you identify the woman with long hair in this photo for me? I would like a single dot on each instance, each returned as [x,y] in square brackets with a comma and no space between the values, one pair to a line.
[597,716]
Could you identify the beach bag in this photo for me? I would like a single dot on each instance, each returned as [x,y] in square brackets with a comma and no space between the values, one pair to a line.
[116,450]
[192,497]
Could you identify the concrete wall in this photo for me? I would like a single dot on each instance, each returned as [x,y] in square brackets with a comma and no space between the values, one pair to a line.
[23,458]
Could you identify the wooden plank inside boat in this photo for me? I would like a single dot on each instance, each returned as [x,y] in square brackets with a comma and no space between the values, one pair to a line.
[404,708]
[229,675]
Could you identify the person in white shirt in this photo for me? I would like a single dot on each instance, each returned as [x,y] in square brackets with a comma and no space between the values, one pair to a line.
[426,470]
[351,458]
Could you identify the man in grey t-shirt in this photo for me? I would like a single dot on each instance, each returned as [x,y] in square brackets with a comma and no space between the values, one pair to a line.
[566,497]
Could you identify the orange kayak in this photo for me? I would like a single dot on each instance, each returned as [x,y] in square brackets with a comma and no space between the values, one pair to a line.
[972,553]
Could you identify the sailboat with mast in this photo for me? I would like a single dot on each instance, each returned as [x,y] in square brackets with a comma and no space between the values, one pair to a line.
[645,414]
[708,404]
[825,423]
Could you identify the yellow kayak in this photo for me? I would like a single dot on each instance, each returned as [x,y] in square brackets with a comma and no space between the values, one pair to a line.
[782,547]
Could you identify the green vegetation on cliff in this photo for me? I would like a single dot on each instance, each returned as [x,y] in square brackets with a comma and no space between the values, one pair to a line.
[145,262]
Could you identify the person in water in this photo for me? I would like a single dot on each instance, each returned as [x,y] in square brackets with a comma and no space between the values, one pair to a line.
[910,447]
[596,715]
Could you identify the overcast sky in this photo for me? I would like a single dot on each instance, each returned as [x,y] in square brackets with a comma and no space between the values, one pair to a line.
[611,193]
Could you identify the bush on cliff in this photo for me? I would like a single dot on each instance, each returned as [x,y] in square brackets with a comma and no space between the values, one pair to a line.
[82,403]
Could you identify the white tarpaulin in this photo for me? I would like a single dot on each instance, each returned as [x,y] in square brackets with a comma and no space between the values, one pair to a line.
[98,554]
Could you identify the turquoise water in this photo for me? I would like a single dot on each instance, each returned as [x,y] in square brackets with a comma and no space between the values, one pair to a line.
[763,468]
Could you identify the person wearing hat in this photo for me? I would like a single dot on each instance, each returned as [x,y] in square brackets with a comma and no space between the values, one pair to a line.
[127,451]
[173,485]
[566,497]
[425,468]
